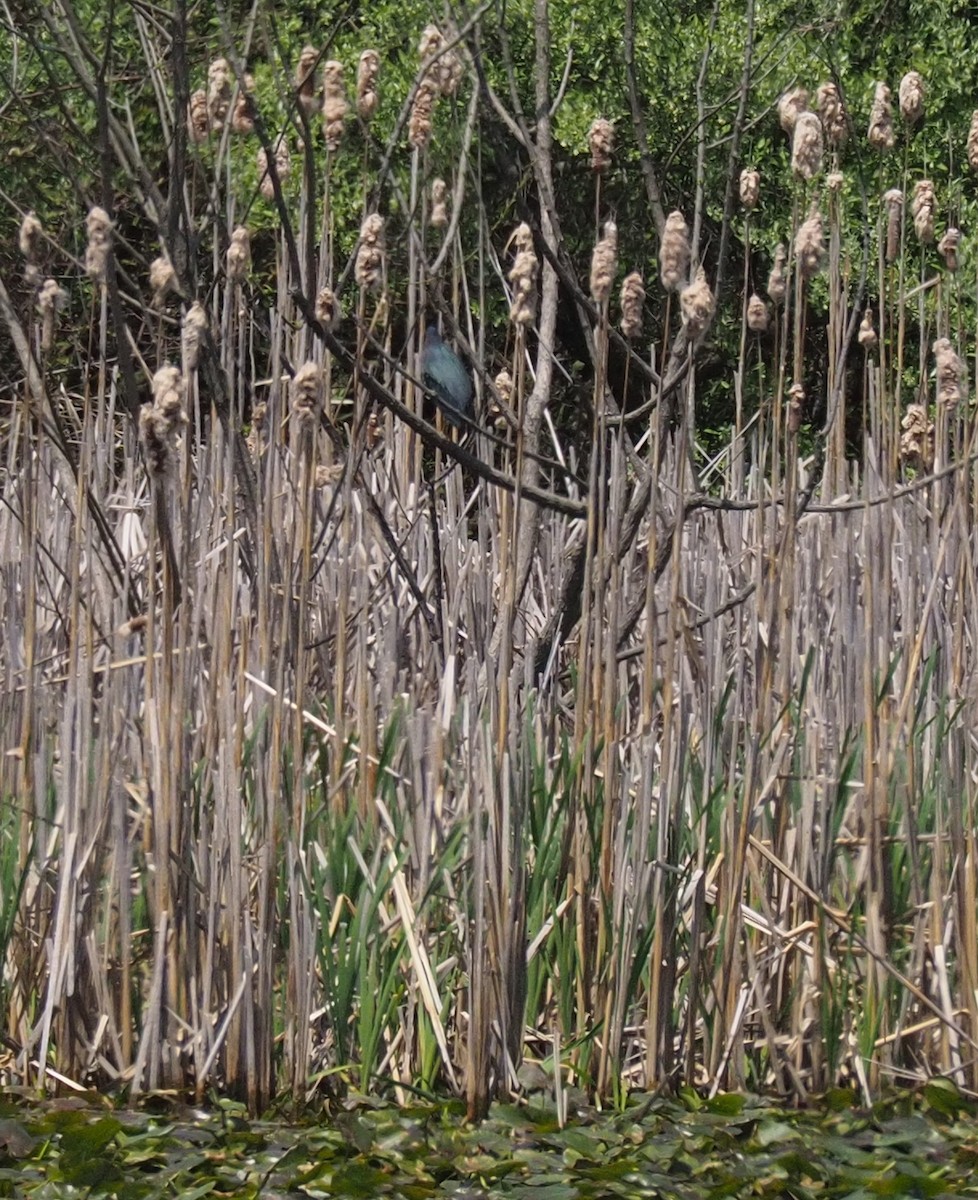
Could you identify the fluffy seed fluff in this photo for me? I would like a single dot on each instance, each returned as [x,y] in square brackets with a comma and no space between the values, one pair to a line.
[809,248]
[807,146]
[99,229]
[243,116]
[307,391]
[972,147]
[305,80]
[750,188]
[757,314]
[948,248]
[601,139]
[632,301]
[917,440]
[777,281]
[446,70]
[219,78]
[523,276]
[868,338]
[238,259]
[674,252]
[604,263]
[328,311]
[159,422]
[790,105]
[828,101]
[952,380]
[505,387]
[192,331]
[698,305]
[51,299]
[198,118]
[794,407]
[368,270]
[335,106]
[893,199]
[29,238]
[439,204]
[368,69]
[922,206]
[912,97]
[283,168]
[881,135]
[422,112]
[162,278]
[834,181]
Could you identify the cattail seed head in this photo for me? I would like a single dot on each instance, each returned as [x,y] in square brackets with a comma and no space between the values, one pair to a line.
[807,146]
[828,101]
[809,248]
[446,71]
[777,282]
[51,299]
[162,278]
[790,105]
[674,252]
[750,188]
[198,118]
[328,311]
[922,206]
[307,391]
[30,237]
[604,263]
[698,305]
[952,380]
[632,301]
[422,110]
[601,139]
[305,80]
[368,69]
[99,229]
[335,106]
[523,276]
[948,248]
[834,181]
[369,267]
[973,142]
[243,116]
[439,204]
[238,258]
[757,314]
[912,98]
[795,406]
[168,394]
[867,335]
[219,78]
[192,331]
[893,199]
[881,135]
[283,168]
[160,422]
[917,440]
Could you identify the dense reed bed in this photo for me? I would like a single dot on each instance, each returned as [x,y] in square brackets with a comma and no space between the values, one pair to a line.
[341,750]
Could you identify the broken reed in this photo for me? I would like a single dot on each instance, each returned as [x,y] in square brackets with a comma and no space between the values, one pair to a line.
[303,794]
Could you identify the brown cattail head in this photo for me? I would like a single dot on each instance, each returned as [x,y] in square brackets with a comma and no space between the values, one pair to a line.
[369,268]
[243,116]
[368,69]
[698,305]
[973,141]
[160,422]
[238,258]
[674,252]
[193,329]
[335,106]
[795,406]
[917,440]
[834,181]
[777,281]
[881,135]
[809,249]
[168,394]
[31,236]
[828,101]
[447,69]
[307,392]
[912,98]
[750,188]
[601,139]
[604,263]
[219,76]
[807,146]
[948,248]
[952,380]
[305,80]
[283,168]
[505,387]
[757,314]
[922,206]
[790,105]
[51,299]
[632,301]
[162,279]
[422,111]
[99,229]
[868,338]
[439,204]
[198,118]
[523,276]
[328,311]
[893,199]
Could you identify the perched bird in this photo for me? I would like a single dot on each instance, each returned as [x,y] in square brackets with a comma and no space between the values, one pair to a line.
[444,376]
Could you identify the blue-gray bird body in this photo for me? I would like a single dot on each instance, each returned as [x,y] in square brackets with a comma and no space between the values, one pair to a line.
[444,376]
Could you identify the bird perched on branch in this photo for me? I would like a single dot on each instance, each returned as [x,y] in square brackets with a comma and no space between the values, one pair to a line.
[444,376]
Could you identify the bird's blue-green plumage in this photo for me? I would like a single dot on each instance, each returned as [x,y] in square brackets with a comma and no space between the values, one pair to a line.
[444,376]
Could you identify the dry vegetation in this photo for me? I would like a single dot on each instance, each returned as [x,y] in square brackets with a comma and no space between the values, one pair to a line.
[312,774]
